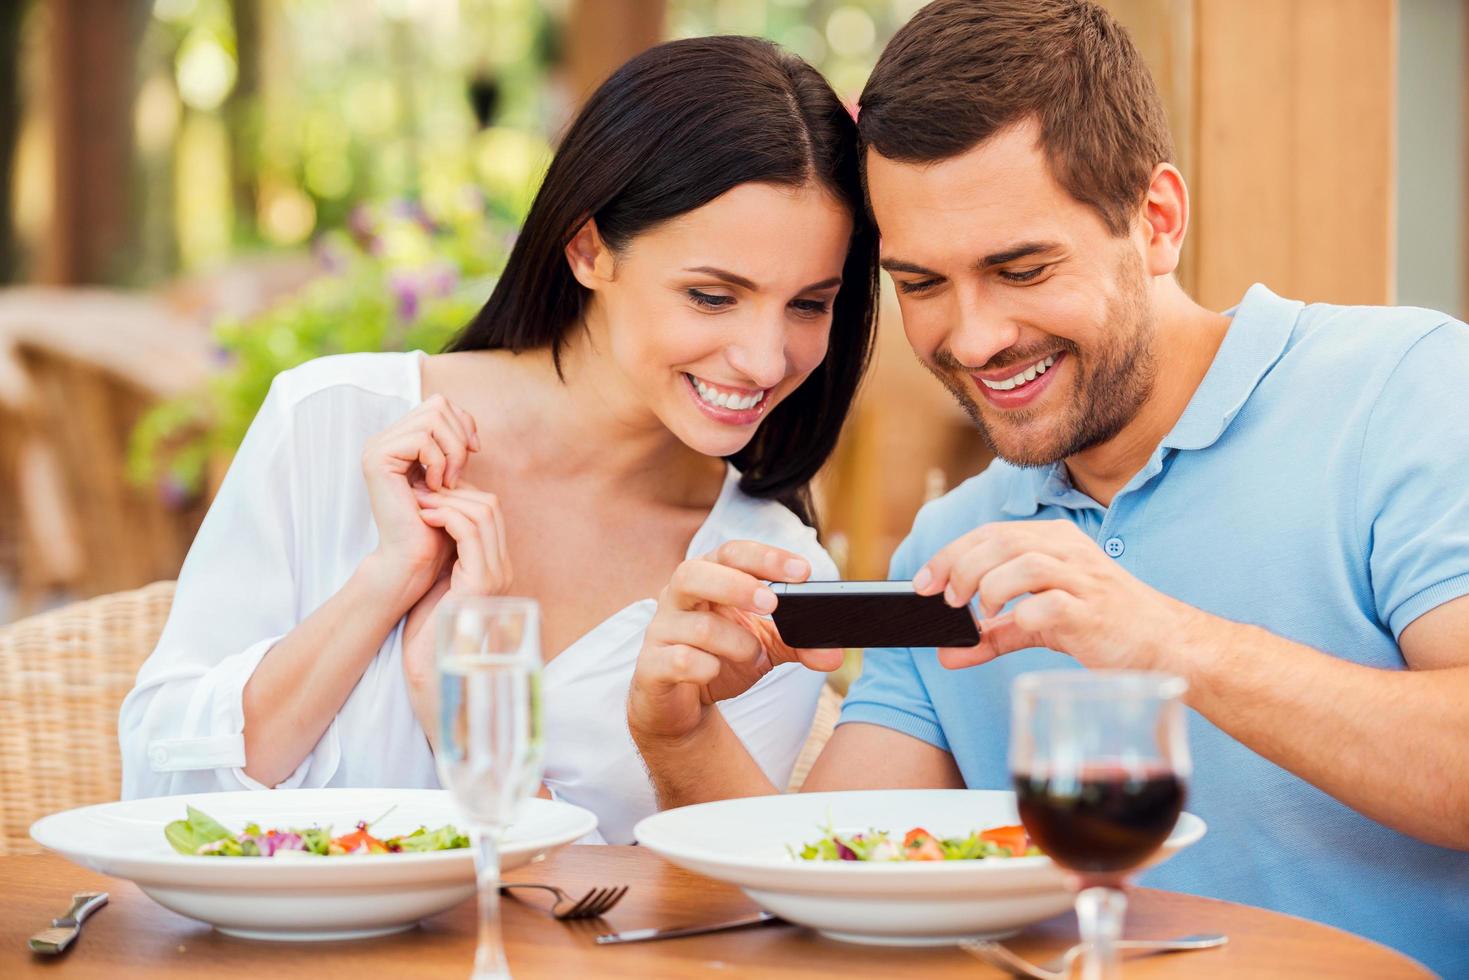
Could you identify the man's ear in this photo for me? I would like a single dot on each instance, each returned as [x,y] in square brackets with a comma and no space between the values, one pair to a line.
[589,257]
[1165,219]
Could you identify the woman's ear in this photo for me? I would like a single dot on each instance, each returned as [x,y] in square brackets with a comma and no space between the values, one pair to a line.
[589,257]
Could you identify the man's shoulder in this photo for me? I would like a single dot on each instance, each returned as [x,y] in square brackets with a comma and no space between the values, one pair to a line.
[1367,339]
[978,500]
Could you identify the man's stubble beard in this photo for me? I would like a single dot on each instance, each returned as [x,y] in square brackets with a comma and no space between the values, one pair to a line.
[1111,385]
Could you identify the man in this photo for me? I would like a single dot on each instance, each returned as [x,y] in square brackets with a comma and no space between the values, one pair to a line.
[1272,503]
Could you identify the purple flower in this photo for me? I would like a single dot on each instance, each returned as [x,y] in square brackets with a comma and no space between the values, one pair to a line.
[405,288]
[173,492]
[442,278]
[845,853]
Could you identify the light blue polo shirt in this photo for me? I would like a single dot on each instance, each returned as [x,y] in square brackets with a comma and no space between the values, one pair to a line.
[1316,485]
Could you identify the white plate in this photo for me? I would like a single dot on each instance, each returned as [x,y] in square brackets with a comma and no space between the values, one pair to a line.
[306,898]
[744,842]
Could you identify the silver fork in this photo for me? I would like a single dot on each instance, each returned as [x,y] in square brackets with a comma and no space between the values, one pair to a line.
[591,905]
[999,955]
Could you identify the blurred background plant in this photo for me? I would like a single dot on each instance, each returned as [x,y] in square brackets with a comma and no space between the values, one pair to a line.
[398,277]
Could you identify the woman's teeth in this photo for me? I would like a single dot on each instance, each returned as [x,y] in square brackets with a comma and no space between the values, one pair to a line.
[1024,377]
[726,399]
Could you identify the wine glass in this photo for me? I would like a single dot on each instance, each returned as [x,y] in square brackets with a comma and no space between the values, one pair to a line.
[490,736]
[1099,760]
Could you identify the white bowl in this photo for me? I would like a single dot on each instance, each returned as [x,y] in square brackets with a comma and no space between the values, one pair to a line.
[300,898]
[902,903]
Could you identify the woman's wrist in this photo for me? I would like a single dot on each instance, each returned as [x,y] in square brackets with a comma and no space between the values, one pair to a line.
[386,584]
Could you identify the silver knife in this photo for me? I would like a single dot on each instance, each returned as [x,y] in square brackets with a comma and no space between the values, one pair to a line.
[643,935]
[65,929]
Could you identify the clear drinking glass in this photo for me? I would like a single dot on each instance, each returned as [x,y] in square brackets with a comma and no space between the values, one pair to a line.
[490,735]
[1099,760]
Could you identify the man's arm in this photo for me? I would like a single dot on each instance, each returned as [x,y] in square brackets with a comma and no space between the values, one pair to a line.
[711,763]
[864,756]
[1391,744]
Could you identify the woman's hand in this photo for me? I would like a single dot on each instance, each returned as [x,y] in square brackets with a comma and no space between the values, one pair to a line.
[427,448]
[481,566]
[708,640]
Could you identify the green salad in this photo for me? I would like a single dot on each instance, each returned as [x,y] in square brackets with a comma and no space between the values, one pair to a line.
[918,845]
[200,834]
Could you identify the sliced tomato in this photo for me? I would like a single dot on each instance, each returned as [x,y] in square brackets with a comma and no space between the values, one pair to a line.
[919,845]
[360,842]
[1014,838]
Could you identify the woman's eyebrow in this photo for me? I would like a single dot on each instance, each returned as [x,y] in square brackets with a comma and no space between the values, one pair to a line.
[735,279]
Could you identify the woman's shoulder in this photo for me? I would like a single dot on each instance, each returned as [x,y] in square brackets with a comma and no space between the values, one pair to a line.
[741,516]
[394,375]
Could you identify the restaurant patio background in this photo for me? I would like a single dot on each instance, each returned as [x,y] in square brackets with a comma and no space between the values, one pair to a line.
[196,194]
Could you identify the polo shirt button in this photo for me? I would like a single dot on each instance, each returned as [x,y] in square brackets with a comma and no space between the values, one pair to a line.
[1115,547]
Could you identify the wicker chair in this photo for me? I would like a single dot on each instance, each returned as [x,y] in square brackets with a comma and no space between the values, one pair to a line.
[63,675]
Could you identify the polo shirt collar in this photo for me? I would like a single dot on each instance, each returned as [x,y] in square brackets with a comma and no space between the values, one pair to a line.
[1261,327]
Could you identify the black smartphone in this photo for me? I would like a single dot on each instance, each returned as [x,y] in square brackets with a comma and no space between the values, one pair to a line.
[869,614]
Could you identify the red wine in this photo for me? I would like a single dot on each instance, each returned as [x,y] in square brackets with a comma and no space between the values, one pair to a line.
[1105,821]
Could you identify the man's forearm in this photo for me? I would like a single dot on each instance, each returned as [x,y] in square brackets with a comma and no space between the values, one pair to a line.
[1393,745]
[710,763]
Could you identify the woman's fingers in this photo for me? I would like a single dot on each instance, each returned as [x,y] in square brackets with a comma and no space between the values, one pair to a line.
[482,511]
[467,539]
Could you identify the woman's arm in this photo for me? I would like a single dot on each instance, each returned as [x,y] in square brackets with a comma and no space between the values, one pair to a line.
[305,679]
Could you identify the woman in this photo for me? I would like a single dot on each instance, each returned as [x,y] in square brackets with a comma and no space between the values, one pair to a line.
[694,283]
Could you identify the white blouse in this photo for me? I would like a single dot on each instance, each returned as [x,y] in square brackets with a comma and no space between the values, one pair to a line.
[292,522]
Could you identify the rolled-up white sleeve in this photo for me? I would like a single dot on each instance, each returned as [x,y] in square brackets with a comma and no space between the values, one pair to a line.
[181,729]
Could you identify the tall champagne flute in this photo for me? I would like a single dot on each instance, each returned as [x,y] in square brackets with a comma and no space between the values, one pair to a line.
[1099,761]
[490,735]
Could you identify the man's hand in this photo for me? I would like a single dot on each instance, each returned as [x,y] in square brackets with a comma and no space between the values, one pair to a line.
[1072,598]
[708,642]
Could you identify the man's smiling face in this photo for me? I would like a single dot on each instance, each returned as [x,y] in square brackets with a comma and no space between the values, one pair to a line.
[1016,296]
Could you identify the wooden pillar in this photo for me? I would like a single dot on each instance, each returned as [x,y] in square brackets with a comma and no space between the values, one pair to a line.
[10,21]
[1296,127]
[602,34]
[94,45]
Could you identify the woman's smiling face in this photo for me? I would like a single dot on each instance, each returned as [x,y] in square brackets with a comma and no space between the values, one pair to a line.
[713,317]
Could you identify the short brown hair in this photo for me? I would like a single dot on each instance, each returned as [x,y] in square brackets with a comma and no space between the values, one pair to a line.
[962,70]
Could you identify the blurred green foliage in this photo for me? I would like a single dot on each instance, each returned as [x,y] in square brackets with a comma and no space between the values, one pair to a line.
[400,277]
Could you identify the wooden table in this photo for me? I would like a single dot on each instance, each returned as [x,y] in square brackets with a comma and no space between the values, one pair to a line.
[133,937]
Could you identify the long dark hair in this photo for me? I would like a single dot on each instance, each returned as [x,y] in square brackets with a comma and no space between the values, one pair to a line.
[673,129]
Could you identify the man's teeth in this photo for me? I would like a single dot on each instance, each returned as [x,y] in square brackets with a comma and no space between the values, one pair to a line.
[725,399]
[1029,374]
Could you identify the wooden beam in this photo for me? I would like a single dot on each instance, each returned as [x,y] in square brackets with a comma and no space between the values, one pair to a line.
[602,34]
[1296,157]
[94,45]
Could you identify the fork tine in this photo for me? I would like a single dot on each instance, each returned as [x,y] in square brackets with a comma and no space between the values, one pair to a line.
[617,896]
[600,905]
[578,910]
[611,898]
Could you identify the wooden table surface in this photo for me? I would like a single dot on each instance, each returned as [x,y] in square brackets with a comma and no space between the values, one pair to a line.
[133,937]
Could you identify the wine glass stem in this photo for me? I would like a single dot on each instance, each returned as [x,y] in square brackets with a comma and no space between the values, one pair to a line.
[1099,912]
[489,953]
